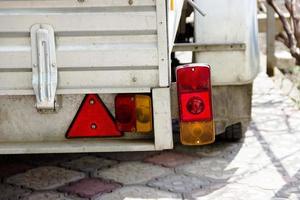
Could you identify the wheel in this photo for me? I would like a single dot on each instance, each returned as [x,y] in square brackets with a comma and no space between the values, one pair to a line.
[232,133]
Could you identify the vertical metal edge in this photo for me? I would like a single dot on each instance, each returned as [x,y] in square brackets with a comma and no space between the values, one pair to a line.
[163,134]
[162,43]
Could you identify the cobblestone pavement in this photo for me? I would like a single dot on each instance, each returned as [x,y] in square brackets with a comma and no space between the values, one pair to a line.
[266,165]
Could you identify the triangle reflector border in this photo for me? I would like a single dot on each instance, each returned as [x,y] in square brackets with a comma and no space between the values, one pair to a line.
[93,119]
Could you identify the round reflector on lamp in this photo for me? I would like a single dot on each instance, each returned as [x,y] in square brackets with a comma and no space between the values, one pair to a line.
[195,105]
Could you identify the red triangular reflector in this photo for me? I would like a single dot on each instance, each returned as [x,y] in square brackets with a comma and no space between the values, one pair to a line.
[93,120]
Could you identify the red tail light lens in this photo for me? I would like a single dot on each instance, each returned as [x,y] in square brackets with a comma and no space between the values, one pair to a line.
[125,112]
[193,79]
[194,89]
[195,105]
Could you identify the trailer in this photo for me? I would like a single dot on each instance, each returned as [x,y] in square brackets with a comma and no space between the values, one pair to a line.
[95,76]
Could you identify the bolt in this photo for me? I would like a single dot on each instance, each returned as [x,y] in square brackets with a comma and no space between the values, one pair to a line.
[134,79]
[92,101]
[193,69]
[34,65]
[93,126]
[130,2]
[81,1]
[53,65]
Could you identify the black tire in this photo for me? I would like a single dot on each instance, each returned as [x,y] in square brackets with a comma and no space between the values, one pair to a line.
[232,133]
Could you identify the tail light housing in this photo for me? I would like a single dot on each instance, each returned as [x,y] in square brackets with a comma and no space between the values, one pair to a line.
[195,104]
[134,113]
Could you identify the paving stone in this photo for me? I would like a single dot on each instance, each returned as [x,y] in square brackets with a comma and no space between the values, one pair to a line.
[132,172]
[180,183]
[45,178]
[8,192]
[49,196]
[212,168]
[294,197]
[209,150]
[128,156]
[218,149]
[268,178]
[288,190]
[89,163]
[251,153]
[170,159]
[138,192]
[205,191]
[90,187]
[236,192]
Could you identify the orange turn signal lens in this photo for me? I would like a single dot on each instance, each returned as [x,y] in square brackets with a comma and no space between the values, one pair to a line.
[172,6]
[197,133]
[143,113]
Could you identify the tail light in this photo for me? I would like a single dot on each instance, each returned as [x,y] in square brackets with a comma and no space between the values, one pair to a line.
[195,104]
[125,113]
[133,113]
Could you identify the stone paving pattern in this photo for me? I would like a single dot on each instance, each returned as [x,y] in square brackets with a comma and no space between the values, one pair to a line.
[266,165]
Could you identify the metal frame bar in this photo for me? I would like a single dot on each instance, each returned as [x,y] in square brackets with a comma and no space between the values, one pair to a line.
[76,146]
[162,35]
[195,47]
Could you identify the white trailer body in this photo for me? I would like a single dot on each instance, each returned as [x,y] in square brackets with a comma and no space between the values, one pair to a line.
[65,49]
[233,24]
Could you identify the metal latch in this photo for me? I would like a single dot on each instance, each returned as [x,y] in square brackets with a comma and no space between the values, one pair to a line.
[44,66]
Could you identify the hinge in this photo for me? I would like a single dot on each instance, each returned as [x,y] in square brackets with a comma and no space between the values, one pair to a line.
[44,66]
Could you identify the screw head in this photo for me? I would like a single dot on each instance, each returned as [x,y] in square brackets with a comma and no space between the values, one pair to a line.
[92,101]
[93,126]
